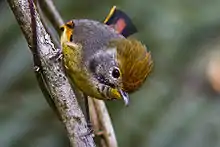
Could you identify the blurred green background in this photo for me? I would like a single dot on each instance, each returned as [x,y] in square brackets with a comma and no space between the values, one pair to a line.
[176,107]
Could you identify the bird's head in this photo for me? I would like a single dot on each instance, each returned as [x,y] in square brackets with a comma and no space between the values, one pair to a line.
[121,68]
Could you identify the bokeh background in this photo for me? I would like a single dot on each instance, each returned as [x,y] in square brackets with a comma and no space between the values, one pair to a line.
[178,106]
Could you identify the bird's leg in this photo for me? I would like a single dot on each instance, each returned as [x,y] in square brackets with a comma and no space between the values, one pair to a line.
[88,114]
[88,119]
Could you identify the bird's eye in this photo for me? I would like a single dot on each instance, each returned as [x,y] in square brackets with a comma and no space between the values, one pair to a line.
[115,73]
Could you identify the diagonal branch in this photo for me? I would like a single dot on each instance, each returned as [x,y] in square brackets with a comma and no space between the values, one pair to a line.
[57,83]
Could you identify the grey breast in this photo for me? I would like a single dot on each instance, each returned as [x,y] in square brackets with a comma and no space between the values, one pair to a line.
[93,35]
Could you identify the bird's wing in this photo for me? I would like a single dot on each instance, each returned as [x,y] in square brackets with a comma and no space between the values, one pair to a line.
[121,22]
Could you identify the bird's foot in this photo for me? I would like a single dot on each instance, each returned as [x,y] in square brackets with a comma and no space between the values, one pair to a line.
[90,128]
[89,132]
[57,56]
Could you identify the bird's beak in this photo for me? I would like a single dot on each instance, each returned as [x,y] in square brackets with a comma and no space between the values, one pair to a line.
[125,96]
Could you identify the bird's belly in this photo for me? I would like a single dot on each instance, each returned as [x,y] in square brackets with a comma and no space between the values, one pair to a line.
[83,84]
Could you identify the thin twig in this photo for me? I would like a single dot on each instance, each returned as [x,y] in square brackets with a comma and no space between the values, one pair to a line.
[61,91]
[102,123]
[50,10]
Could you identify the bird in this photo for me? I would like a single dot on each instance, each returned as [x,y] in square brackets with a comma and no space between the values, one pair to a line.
[100,58]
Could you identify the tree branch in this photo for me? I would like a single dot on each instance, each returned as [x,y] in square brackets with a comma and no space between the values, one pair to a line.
[57,83]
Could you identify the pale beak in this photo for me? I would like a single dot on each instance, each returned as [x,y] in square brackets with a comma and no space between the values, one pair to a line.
[125,97]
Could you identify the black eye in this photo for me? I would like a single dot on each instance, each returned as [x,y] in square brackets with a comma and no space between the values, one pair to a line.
[116,73]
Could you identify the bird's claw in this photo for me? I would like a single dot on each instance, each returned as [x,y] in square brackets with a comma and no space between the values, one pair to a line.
[36,68]
[92,132]
[89,132]
[58,55]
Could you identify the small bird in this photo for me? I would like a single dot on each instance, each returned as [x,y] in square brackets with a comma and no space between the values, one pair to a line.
[101,61]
